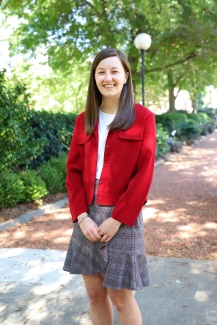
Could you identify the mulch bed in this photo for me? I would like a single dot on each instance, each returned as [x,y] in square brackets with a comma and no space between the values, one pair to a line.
[180,219]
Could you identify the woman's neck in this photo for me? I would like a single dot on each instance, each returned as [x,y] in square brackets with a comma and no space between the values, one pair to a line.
[109,106]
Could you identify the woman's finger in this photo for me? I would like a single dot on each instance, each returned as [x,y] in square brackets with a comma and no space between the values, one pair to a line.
[91,237]
[90,229]
[96,234]
[105,238]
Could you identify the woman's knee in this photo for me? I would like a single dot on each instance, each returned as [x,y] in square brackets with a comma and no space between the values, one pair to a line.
[96,297]
[97,294]
[120,298]
[119,305]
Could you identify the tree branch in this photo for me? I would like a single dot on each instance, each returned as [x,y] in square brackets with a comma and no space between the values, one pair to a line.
[189,57]
[178,92]
[91,6]
[179,78]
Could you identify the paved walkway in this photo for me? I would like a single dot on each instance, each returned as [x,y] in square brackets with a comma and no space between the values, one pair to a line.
[34,290]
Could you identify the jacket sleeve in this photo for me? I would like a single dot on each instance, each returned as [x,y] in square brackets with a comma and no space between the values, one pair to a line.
[74,180]
[131,201]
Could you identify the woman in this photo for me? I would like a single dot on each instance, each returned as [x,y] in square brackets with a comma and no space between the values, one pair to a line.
[109,173]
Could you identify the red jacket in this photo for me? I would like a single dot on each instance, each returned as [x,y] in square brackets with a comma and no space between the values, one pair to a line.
[127,172]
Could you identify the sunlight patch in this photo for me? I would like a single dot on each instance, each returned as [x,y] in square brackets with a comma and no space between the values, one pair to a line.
[201,296]
[154,202]
[61,240]
[19,234]
[68,232]
[211,225]
[38,234]
[62,216]
[149,213]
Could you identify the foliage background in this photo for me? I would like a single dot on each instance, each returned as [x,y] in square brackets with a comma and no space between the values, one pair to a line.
[51,46]
[60,39]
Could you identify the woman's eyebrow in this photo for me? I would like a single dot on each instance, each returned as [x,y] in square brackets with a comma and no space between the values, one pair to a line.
[104,69]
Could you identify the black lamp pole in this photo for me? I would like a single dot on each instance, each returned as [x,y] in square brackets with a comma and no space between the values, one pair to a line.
[143,77]
[143,42]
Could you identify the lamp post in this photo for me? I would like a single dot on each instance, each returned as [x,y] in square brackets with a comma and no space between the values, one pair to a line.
[143,42]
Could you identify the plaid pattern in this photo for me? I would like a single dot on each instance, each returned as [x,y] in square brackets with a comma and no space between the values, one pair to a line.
[121,262]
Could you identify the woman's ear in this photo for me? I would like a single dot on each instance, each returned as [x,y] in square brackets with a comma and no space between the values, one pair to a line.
[126,76]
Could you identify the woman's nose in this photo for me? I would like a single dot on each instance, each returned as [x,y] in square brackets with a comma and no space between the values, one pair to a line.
[108,76]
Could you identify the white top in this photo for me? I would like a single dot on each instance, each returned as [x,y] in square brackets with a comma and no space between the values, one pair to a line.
[104,120]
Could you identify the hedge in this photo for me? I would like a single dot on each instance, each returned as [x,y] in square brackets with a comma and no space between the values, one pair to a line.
[26,186]
[187,126]
[28,137]
[56,131]
[162,141]
[18,146]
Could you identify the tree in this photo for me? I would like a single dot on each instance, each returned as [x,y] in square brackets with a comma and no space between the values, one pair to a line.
[54,89]
[73,31]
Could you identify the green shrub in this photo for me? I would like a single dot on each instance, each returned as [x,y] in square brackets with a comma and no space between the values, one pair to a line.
[53,173]
[187,126]
[17,145]
[27,137]
[52,178]
[202,118]
[205,122]
[55,129]
[29,185]
[172,121]
[34,186]
[11,189]
[192,130]
[211,112]
[162,139]
[59,163]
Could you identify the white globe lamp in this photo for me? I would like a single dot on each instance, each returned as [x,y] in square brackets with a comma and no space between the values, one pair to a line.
[143,42]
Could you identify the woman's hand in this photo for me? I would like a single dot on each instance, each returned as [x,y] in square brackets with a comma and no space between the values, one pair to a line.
[90,229]
[108,229]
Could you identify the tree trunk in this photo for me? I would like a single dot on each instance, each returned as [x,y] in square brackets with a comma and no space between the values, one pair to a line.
[133,65]
[171,87]
[194,105]
[172,99]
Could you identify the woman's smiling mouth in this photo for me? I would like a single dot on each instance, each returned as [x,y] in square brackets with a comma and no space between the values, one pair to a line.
[108,86]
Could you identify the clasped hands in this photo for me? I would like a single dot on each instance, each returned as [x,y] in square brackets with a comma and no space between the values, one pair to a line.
[103,233]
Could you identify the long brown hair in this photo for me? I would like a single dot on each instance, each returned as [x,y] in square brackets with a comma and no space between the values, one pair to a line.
[126,112]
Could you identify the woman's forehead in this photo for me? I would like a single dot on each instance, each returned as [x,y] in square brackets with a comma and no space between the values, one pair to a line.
[110,62]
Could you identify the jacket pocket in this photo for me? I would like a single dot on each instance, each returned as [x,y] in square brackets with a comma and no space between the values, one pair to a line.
[82,138]
[132,134]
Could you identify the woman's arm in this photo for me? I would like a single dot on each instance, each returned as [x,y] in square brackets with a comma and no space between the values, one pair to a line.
[76,195]
[74,181]
[131,201]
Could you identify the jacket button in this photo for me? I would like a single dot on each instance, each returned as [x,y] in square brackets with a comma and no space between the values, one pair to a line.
[105,165]
[101,182]
[99,198]
[107,146]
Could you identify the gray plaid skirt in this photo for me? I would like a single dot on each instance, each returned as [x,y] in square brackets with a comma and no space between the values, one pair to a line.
[121,262]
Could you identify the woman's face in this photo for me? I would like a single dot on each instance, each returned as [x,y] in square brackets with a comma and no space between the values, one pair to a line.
[110,77]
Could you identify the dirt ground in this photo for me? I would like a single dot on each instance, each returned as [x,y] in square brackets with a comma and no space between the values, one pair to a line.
[180,219]
[13,212]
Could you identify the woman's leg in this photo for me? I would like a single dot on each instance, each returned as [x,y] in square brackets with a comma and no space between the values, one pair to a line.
[99,303]
[126,306]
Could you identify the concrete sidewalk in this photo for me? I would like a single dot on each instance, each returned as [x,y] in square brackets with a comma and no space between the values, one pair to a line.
[34,290]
